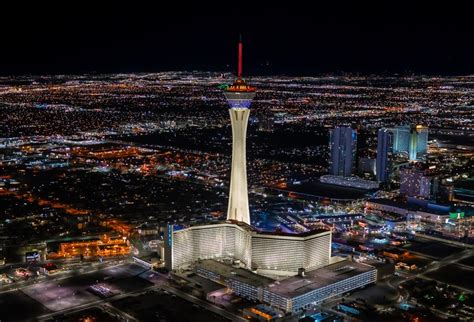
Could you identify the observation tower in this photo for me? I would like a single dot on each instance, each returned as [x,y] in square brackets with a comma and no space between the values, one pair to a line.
[239,96]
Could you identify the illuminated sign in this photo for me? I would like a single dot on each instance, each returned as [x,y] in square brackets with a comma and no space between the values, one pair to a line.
[32,256]
[223,86]
[456,215]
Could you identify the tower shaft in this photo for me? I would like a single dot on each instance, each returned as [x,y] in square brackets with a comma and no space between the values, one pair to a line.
[238,196]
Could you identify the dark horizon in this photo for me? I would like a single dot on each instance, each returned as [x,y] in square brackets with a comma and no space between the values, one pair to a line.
[352,39]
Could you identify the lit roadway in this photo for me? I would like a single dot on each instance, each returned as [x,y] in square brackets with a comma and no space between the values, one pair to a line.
[437,264]
[394,282]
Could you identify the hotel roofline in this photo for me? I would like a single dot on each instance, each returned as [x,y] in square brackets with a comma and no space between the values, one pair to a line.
[249,228]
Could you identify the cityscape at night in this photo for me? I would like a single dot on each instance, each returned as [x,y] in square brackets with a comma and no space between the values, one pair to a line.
[225,185]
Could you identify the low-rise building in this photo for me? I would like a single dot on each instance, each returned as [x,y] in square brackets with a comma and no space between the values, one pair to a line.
[352,182]
[295,293]
[301,292]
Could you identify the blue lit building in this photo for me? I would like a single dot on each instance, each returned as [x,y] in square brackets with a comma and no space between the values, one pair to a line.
[343,145]
[384,154]
[420,142]
[401,138]
[411,140]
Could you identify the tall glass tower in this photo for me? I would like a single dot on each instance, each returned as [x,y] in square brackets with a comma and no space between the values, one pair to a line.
[418,142]
[239,96]
[343,145]
[384,154]
[412,140]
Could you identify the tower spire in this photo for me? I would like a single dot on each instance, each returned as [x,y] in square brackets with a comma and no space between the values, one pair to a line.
[239,68]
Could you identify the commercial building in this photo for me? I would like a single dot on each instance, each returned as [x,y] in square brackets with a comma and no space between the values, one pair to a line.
[343,145]
[103,247]
[294,293]
[422,210]
[243,282]
[303,291]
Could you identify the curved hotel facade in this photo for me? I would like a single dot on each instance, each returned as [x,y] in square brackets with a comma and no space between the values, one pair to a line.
[289,253]
[218,241]
[275,253]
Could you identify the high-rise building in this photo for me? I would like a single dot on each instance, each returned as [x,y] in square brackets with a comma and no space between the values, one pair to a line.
[418,142]
[412,140]
[239,96]
[367,165]
[254,249]
[401,138]
[266,124]
[343,145]
[414,182]
[384,155]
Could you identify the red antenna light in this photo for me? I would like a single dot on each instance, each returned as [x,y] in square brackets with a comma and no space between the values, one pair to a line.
[239,68]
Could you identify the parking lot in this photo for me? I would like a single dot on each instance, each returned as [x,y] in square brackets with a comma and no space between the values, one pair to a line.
[68,292]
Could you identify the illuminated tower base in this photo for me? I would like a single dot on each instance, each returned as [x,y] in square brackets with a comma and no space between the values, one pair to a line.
[238,196]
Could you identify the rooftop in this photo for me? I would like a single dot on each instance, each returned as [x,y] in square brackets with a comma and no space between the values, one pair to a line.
[248,227]
[240,274]
[295,234]
[414,205]
[299,285]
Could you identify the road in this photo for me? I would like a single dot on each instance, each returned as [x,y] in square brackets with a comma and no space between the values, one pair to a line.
[329,308]
[433,266]
[105,304]
[93,304]
[115,311]
[446,241]
[204,304]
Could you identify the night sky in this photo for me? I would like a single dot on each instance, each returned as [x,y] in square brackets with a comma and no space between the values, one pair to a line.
[354,38]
